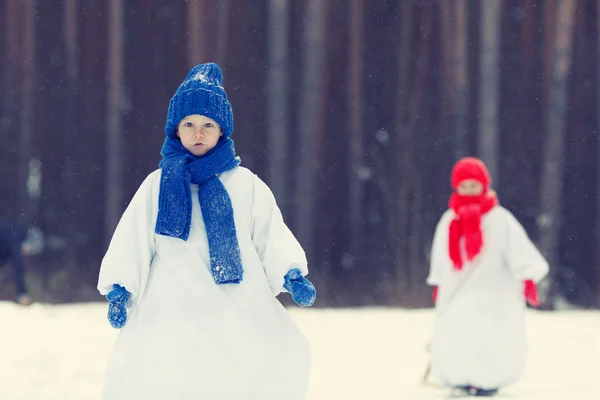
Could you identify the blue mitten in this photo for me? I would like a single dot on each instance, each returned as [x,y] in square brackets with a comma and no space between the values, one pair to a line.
[302,290]
[117,313]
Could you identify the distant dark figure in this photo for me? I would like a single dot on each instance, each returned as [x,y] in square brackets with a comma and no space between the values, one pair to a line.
[15,243]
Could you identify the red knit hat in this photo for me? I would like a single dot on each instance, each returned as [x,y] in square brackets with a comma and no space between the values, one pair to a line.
[470,168]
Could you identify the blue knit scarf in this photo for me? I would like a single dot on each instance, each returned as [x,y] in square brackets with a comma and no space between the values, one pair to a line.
[180,168]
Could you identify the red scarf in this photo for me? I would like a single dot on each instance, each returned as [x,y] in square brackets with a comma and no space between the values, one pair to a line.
[467,224]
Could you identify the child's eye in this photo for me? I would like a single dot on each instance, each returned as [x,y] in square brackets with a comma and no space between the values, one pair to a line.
[188,124]
[208,125]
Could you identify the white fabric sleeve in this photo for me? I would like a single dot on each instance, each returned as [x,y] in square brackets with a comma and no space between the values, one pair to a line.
[277,248]
[440,259]
[523,258]
[127,261]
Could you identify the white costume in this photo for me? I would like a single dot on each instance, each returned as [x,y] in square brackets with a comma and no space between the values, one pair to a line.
[479,336]
[189,338]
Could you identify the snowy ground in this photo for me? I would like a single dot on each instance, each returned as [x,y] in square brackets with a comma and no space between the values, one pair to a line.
[59,352]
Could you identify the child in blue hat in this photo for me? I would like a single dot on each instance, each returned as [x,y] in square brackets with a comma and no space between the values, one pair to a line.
[194,266]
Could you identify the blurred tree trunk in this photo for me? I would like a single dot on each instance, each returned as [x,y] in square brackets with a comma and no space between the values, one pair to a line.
[414,192]
[195,19]
[526,139]
[576,162]
[355,116]
[396,193]
[550,9]
[489,85]
[415,267]
[554,143]
[8,60]
[10,101]
[70,147]
[395,167]
[447,12]
[278,98]
[115,136]
[461,77]
[311,96]
[598,154]
[29,168]
[223,18]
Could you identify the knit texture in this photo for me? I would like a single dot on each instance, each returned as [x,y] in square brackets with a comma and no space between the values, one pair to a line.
[470,168]
[201,93]
[180,169]
[117,310]
[468,210]
[467,225]
[302,290]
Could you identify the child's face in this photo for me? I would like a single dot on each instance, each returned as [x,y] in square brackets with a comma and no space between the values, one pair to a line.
[469,187]
[198,134]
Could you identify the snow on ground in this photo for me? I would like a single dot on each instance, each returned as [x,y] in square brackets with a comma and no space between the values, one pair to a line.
[59,352]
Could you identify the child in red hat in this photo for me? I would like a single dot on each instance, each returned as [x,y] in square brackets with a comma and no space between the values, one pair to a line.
[482,265]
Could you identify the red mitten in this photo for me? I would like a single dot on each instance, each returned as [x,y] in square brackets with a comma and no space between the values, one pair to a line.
[531,293]
[434,294]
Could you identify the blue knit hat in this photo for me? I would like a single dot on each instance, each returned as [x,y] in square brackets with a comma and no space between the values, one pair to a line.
[201,93]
